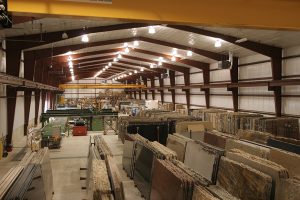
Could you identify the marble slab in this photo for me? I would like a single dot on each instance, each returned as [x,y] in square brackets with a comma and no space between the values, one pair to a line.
[127,158]
[277,172]
[143,169]
[203,158]
[201,193]
[243,181]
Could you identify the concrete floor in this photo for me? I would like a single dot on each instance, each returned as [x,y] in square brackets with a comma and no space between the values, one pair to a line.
[67,161]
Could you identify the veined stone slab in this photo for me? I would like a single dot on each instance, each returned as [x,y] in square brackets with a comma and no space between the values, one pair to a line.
[201,193]
[289,160]
[277,172]
[127,159]
[251,148]
[243,181]
[290,189]
[203,158]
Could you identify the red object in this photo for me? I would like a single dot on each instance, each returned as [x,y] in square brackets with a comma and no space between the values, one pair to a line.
[79,131]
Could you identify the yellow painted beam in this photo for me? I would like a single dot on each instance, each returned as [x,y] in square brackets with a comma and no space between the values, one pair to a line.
[100,86]
[274,14]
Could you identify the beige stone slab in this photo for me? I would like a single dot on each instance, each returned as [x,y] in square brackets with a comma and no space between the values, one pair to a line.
[289,160]
[251,148]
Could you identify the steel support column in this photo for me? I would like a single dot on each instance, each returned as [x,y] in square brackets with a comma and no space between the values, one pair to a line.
[187,82]
[234,76]
[37,106]
[162,93]
[172,83]
[27,102]
[11,94]
[276,63]
[152,80]
[206,80]
[146,84]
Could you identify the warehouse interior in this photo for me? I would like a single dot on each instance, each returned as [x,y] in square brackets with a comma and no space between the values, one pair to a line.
[134,100]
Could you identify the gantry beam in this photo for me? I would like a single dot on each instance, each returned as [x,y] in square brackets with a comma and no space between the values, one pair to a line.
[241,13]
[100,86]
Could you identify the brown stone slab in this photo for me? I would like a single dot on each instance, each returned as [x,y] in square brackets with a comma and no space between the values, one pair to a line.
[201,193]
[243,181]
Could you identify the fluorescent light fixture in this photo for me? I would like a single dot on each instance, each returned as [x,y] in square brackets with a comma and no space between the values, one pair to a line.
[218,43]
[127,50]
[174,51]
[151,30]
[173,58]
[109,64]
[142,69]
[130,73]
[106,67]
[189,53]
[135,71]
[85,38]
[119,56]
[136,43]
[115,59]
[159,63]
[125,44]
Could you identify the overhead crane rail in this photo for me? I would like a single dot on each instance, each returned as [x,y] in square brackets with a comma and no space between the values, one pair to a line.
[100,86]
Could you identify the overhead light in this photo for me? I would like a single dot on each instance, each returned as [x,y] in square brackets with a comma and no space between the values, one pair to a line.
[71,66]
[85,38]
[119,56]
[159,63]
[69,53]
[135,71]
[125,44]
[189,53]
[115,59]
[142,69]
[127,50]
[71,70]
[64,35]
[125,75]
[136,43]
[173,58]
[106,67]
[241,40]
[130,73]
[174,51]
[218,43]
[109,64]
[161,59]
[70,63]
[151,30]
[70,58]
[73,78]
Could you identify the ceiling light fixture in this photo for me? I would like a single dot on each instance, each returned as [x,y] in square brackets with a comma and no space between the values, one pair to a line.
[115,59]
[142,69]
[109,64]
[70,58]
[73,78]
[64,35]
[218,43]
[136,43]
[85,38]
[119,56]
[135,71]
[173,58]
[125,44]
[69,53]
[130,73]
[106,67]
[151,65]
[159,63]
[127,50]
[189,53]
[70,63]
[151,30]
[161,59]
[174,51]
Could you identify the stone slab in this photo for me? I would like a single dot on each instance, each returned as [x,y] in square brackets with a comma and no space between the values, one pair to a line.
[243,181]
